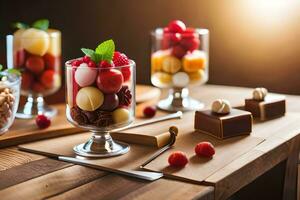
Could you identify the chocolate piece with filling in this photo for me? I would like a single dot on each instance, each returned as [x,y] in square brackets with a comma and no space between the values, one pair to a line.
[235,123]
[271,107]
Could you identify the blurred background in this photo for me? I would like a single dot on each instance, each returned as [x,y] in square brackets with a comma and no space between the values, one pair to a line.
[252,42]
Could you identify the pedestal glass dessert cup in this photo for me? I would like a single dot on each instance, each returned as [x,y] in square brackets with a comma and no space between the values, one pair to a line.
[101,107]
[179,61]
[9,100]
[37,54]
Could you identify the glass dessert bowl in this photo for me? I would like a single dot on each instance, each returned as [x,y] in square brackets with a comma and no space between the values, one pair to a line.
[37,53]
[9,99]
[179,60]
[101,98]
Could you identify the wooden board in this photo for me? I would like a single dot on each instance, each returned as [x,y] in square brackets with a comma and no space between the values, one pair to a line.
[230,148]
[25,130]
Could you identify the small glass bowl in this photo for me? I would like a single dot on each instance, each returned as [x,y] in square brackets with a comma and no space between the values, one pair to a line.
[9,100]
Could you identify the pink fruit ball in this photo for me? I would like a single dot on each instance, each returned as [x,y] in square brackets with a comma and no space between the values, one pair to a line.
[85,75]
[110,81]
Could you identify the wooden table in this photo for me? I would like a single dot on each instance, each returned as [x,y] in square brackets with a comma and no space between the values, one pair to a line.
[29,176]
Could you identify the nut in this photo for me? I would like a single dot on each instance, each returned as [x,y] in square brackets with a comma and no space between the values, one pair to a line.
[221,106]
[259,93]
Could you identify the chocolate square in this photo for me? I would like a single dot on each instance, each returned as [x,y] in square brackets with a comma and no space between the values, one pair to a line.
[271,107]
[237,122]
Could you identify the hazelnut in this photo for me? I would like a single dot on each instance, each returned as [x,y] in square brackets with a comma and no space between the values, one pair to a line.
[221,106]
[259,93]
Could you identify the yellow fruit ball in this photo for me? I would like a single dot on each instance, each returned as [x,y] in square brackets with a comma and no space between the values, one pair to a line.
[194,62]
[121,115]
[197,76]
[157,60]
[161,79]
[55,42]
[89,98]
[17,39]
[171,64]
[35,41]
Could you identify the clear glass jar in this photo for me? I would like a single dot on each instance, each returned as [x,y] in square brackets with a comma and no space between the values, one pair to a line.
[179,61]
[37,54]
[9,100]
[100,100]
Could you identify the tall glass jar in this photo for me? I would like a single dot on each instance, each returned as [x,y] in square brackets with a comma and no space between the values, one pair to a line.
[100,100]
[179,61]
[37,54]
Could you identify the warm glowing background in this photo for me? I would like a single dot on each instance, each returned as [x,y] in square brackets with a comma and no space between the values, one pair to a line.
[253,42]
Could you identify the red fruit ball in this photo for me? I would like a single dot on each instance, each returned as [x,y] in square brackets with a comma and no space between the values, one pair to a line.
[176,26]
[42,121]
[47,78]
[27,80]
[35,64]
[126,72]
[37,87]
[110,81]
[205,149]
[190,43]
[51,62]
[178,51]
[178,159]
[149,111]
[19,58]
[91,64]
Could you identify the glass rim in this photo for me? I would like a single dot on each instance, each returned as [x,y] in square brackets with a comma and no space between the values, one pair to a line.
[53,33]
[131,64]
[17,81]
[159,31]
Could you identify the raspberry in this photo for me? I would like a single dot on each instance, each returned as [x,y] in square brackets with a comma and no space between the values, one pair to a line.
[205,149]
[91,64]
[76,63]
[149,111]
[105,64]
[42,121]
[178,159]
[86,59]
[121,59]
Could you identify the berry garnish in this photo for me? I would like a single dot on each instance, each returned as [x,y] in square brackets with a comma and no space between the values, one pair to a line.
[86,59]
[178,159]
[121,59]
[205,149]
[76,63]
[105,64]
[176,26]
[149,111]
[42,121]
[91,64]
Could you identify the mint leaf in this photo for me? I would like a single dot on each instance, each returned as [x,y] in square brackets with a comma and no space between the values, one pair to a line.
[88,52]
[92,54]
[14,71]
[20,25]
[1,67]
[106,50]
[42,24]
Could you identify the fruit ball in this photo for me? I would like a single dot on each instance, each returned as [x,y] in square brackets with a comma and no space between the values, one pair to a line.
[110,81]
[205,149]
[84,75]
[111,102]
[121,115]
[89,98]
[178,159]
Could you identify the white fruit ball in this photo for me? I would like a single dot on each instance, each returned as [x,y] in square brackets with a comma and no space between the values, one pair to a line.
[180,79]
[85,75]
[35,41]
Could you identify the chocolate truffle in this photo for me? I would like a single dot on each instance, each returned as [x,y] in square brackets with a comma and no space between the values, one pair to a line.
[89,98]
[111,102]
[270,107]
[236,122]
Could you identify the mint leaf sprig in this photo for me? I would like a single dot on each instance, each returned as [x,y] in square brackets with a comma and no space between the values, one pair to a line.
[104,51]
[41,24]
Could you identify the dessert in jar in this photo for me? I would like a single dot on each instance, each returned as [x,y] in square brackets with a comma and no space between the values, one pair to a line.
[100,97]
[37,53]
[9,97]
[179,60]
